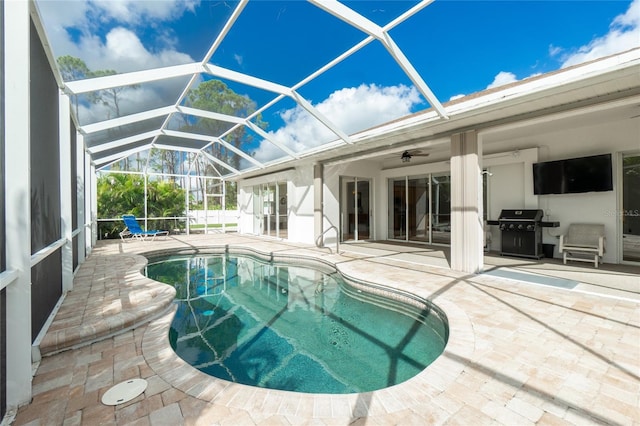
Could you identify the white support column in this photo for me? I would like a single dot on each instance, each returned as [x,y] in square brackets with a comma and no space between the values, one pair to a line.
[146,201]
[318,220]
[187,185]
[18,199]
[224,205]
[466,203]
[89,170]
[80,193]
[66,200]
[93,203]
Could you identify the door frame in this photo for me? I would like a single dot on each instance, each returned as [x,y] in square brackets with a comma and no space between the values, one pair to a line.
[343,206]
[391,208]
[262,221]
[620,211]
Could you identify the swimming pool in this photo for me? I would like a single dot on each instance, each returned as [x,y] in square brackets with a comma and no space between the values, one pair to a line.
[288,327]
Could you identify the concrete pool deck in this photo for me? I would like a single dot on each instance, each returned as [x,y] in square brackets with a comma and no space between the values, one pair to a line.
[518,353]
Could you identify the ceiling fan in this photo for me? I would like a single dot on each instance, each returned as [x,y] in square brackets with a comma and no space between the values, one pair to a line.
[406,155]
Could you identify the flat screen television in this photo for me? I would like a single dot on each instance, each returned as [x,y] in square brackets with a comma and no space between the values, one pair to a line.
[574,175]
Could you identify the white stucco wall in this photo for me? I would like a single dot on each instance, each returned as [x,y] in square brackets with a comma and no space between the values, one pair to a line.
[509,156]
[299,202]
[301,205]
[358,169]
[592,207]
[245,209]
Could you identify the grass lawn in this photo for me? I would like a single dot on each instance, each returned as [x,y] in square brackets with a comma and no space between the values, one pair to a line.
[212,225]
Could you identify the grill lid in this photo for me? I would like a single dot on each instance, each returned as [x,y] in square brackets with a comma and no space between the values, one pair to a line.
[528,215]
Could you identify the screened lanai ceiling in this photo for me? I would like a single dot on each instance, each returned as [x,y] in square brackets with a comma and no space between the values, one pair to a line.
[222,88]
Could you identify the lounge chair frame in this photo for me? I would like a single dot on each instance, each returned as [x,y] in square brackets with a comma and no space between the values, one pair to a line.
[583,242]
[133,230]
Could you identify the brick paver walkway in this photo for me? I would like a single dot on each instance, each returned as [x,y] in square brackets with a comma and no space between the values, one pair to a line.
[518,354]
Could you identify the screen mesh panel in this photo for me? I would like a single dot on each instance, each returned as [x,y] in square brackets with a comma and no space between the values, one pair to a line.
[3,239]
[45,188]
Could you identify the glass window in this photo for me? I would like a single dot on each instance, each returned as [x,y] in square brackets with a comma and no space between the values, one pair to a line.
[271,209]
[420,209]
[355,208]
[630,215]
[397,207]
[441,209]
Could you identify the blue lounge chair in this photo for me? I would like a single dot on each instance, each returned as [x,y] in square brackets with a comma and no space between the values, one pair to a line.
[133,229]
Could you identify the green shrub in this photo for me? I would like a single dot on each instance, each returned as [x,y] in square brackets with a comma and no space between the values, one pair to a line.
[120,194]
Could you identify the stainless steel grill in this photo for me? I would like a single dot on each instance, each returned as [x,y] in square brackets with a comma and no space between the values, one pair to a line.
[521,233]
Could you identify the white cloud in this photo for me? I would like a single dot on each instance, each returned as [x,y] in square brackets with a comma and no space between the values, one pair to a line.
[354,109]
[554,50]
[121,49]
[73,30]
[631,18]
[502,78]
[122,44]
[350,109]
[137,12]
[624,34]
[124,51]
[130,100]
[62,14]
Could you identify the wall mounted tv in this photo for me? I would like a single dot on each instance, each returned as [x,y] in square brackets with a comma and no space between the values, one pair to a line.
[574,175]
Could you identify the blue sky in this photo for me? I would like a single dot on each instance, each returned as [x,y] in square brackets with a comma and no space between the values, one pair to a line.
[458,47]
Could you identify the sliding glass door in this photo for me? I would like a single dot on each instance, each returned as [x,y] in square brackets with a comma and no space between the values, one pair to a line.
[630,215]
[420,209]
[398,209]
[269,205]
[355,211]
[270,209]
[441,209]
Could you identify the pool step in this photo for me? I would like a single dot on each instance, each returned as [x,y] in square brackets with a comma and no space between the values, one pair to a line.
[121,299]
[388,300]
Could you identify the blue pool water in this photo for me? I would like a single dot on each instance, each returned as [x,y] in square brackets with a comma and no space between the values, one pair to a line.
[287,327]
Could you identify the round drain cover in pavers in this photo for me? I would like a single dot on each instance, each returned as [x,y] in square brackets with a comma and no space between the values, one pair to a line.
[123,392]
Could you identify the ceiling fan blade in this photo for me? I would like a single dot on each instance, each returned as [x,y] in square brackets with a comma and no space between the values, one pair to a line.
[417,153]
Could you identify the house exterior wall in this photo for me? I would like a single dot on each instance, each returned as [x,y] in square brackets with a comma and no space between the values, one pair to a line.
[613,137]
[509,157]
[438,168]
[300,206]
[555,139]
[331,211]
[245,209]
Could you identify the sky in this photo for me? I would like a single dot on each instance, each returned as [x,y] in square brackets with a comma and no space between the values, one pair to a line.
[458,47]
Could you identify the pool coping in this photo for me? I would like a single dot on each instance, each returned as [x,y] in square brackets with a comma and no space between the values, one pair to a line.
[535,354]
[429,383]
[135,300]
